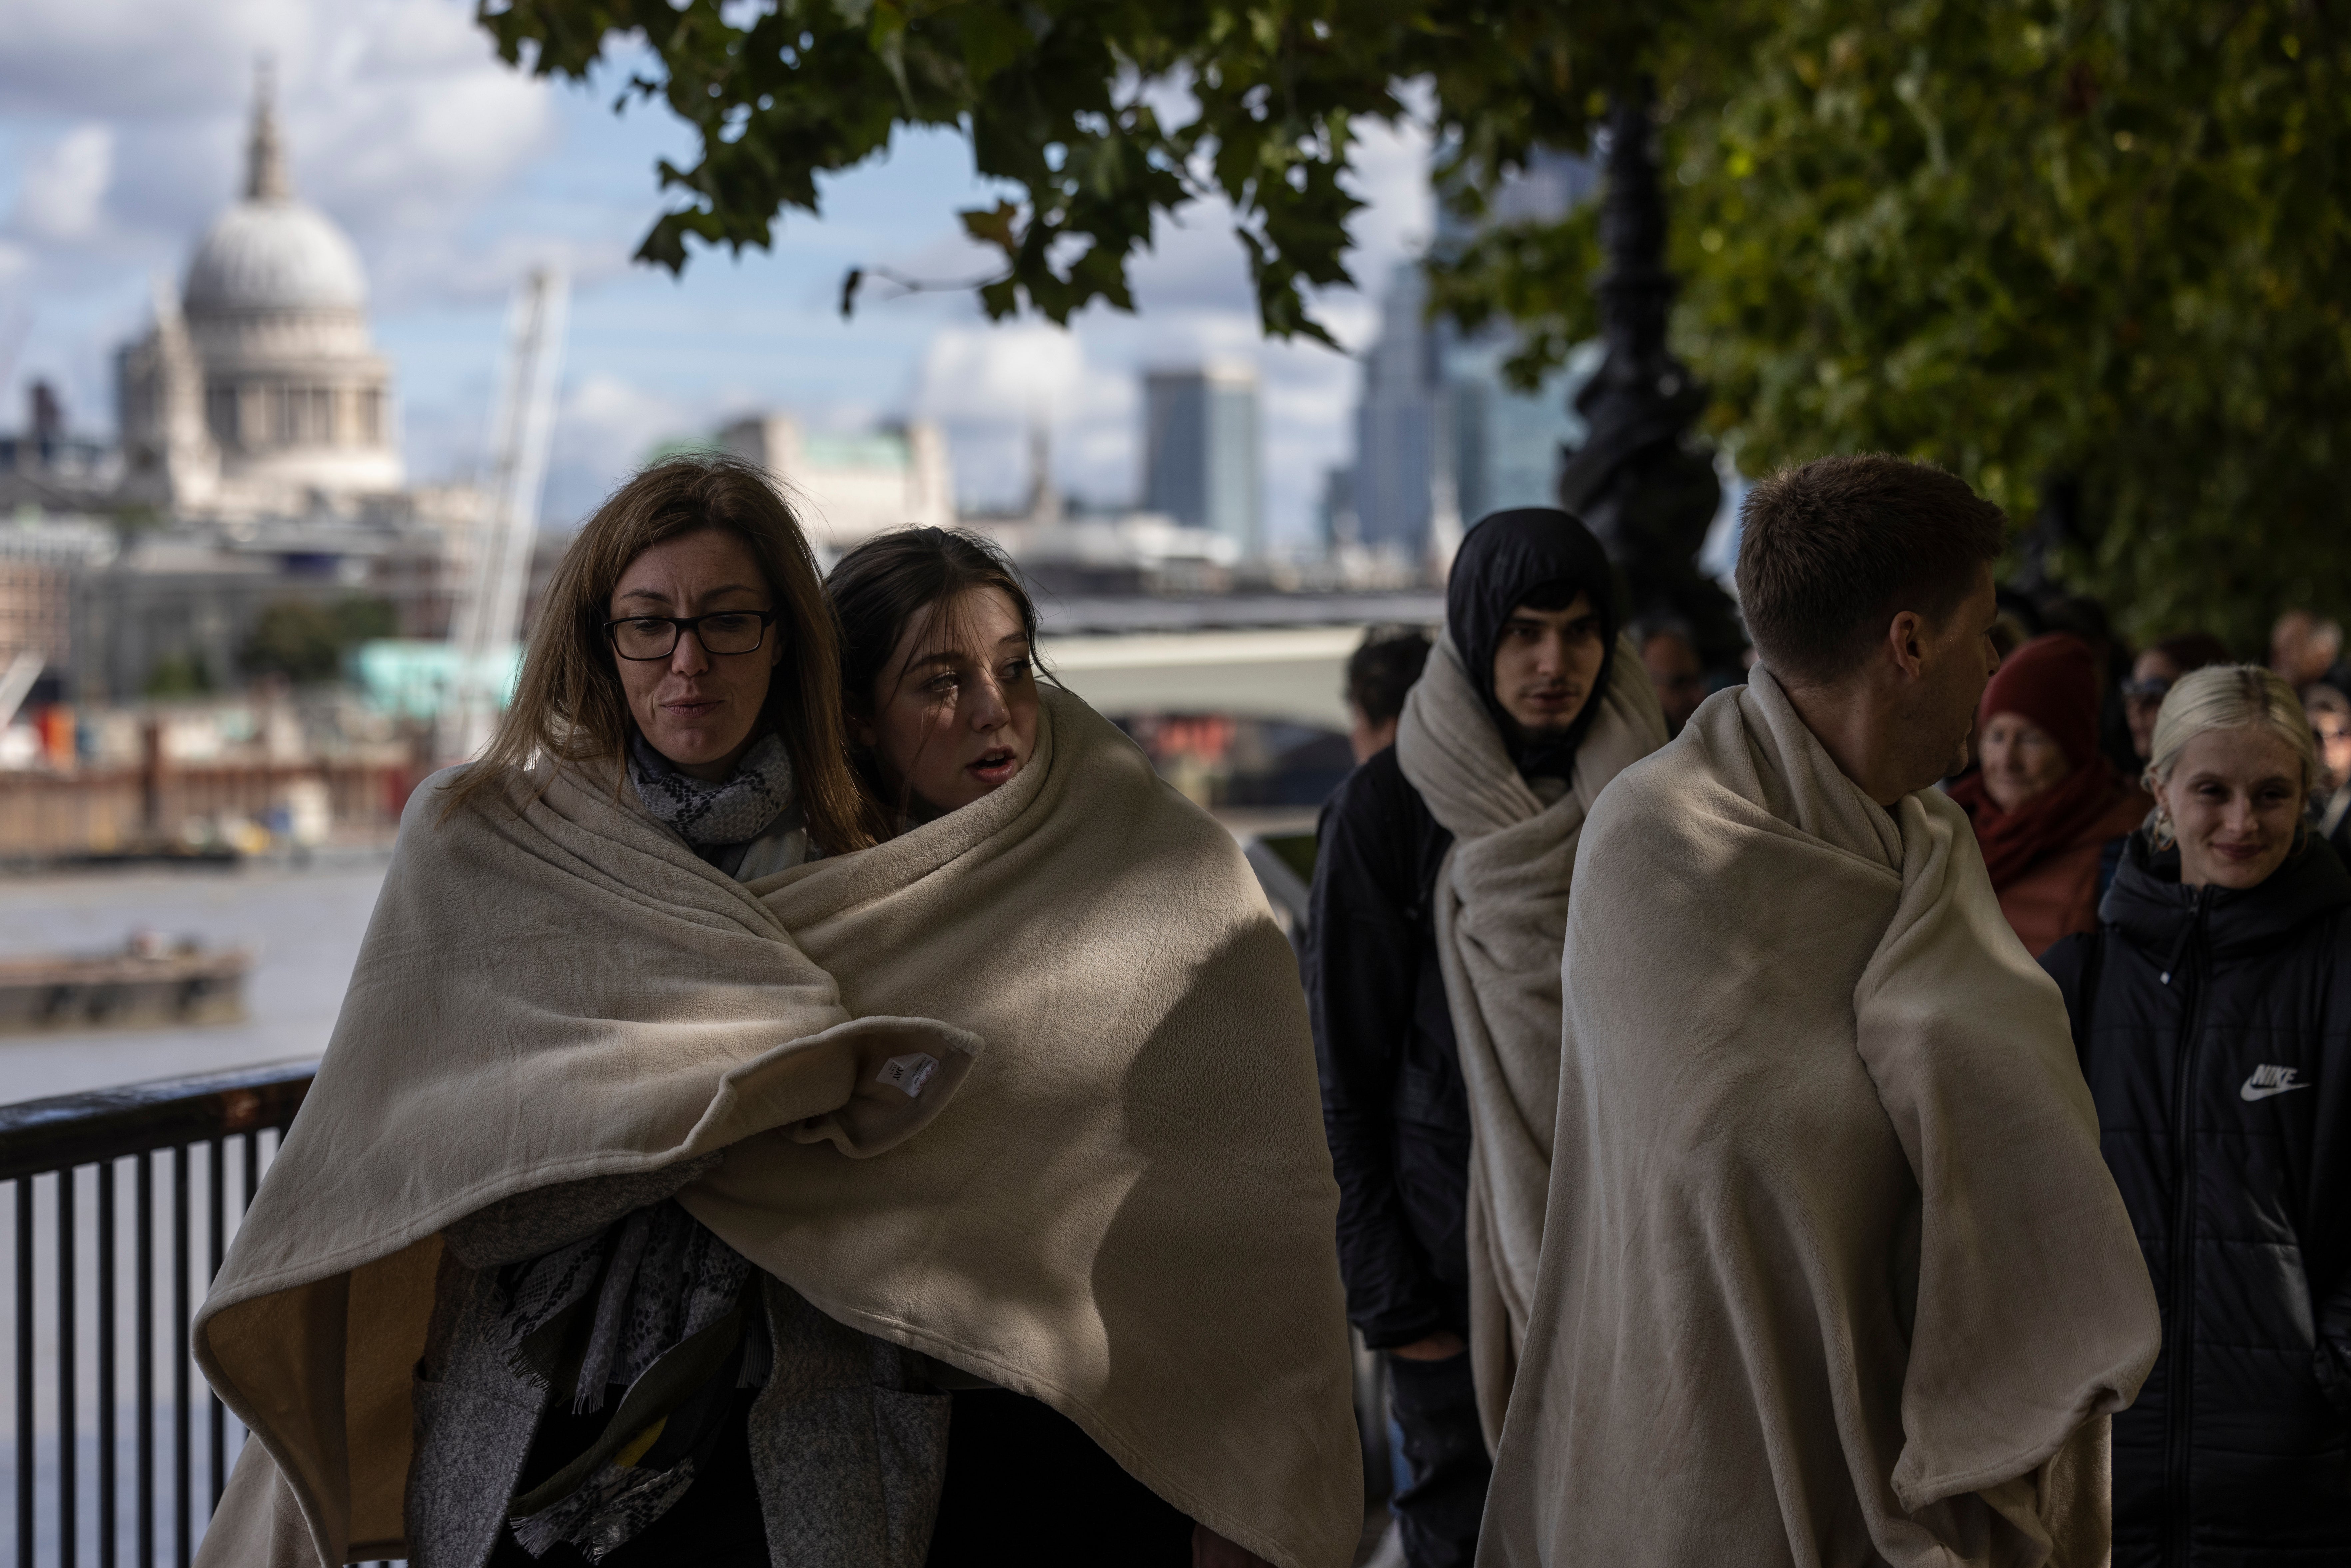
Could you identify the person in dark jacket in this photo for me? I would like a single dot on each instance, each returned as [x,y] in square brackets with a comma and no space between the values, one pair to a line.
[1394,1103]
[2212,1012]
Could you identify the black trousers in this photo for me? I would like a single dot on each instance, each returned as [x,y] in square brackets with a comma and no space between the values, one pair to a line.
[1026,1485]
[1435,1404]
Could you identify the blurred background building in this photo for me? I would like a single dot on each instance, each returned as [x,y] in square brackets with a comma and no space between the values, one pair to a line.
[1203,452]
[847,489]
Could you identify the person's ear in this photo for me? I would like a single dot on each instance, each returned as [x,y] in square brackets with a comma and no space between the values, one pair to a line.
[862,731]
[1905,643]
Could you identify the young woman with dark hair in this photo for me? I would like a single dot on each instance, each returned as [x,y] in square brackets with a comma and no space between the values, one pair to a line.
[939,680]
[938,669]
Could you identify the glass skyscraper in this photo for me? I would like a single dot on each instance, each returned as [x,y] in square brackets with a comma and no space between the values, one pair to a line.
[1203,451]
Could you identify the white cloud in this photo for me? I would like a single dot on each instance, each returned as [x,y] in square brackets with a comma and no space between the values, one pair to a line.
[1022,372]
[399,121]
[140,58]
[65,185]
[605,427]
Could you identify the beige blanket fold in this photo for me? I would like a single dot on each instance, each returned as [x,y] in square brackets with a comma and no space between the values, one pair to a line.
[1502,917]
[1123,1204]
[1835,1273]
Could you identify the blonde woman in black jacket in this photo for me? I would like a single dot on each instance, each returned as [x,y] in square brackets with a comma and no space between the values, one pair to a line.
[2212,1011]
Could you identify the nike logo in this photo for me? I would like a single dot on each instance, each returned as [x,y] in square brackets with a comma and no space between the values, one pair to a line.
[2267,1081]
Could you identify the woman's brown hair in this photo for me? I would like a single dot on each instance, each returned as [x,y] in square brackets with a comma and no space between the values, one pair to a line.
[878,589]
[568,703]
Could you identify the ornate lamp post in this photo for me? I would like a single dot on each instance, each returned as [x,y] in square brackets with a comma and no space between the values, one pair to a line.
[1642,480]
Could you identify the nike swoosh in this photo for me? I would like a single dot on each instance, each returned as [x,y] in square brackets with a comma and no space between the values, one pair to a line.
[2250,1092]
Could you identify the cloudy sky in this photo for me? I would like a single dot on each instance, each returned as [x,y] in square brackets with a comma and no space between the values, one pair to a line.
[121,131]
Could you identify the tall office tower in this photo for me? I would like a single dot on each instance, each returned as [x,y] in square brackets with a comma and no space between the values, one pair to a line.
[1507,443]
[1403,467]
[1441,439]
[1203,463]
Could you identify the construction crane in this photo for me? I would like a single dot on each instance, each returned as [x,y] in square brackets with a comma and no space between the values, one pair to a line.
[488,618]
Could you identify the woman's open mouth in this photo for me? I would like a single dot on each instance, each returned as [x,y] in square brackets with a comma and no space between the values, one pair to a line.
[996,766]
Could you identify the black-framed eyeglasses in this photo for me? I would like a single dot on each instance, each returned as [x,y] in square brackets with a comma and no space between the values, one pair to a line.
[2153,689]
[647,637]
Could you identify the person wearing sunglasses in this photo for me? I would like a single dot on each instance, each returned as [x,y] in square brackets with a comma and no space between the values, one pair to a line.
[2153,674]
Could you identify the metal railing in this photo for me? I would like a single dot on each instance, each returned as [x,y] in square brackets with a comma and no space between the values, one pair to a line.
[118,1205]
[147,1183]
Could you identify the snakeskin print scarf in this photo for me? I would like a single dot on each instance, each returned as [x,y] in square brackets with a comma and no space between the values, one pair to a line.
[707,814]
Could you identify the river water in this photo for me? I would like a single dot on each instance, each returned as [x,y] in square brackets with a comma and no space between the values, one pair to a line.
[304,924]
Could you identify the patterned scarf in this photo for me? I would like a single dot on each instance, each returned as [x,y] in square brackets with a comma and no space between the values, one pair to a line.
[707,814]
[664,1298]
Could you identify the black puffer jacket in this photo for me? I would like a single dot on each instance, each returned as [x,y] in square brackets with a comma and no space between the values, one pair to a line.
[2215,1031]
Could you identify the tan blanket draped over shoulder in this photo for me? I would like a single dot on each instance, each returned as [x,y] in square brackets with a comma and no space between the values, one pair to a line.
[1123,1204]
[1835,1273]
[1502,916]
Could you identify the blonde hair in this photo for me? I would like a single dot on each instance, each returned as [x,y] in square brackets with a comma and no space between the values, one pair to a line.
[2230,697]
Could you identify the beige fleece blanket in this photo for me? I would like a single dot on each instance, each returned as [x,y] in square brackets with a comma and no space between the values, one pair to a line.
[1502,917]
[1123,1205]
[1835,1273]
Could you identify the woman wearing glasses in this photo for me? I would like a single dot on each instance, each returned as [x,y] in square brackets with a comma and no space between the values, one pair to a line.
[679,1148]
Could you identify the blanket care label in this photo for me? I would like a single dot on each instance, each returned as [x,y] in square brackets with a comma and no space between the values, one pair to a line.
[908,1073]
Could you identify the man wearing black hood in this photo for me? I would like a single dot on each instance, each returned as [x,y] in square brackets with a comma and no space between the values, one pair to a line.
[1439,914]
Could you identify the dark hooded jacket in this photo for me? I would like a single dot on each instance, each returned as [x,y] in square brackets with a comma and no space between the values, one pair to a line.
[1393,1103]
[2214,1027]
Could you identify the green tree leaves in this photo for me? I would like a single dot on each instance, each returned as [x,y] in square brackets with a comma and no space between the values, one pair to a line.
[2099,239]
[1098,116]
[2026,240]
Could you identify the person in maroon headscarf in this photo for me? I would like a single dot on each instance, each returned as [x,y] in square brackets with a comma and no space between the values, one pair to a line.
[2045,803]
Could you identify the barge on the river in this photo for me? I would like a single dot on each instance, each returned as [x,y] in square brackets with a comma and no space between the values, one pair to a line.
[149,984]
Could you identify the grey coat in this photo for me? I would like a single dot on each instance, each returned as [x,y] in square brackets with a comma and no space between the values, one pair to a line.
[849,1437]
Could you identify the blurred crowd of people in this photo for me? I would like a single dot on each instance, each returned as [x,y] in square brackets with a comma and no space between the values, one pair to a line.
[2055,774]
[2065,734]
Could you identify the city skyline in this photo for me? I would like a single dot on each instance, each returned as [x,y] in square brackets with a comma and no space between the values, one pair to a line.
[453,173]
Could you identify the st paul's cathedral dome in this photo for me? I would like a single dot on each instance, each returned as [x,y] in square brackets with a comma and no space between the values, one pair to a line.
[258,391]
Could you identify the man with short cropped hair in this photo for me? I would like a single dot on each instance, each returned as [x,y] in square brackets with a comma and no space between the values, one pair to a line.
[1379,672]
[1832,1272]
